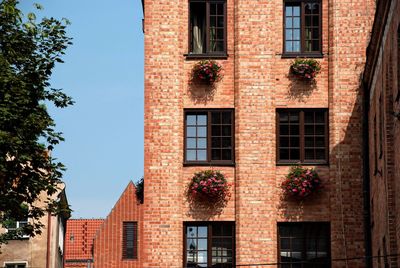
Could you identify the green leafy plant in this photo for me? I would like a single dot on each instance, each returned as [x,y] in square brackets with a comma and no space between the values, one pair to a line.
[207,71]
[29,50]
[301,182]
[208,186]
[140,190]
[305,68]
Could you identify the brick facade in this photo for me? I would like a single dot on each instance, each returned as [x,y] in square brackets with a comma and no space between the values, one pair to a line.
[382,86]
[107,246]
[255,84]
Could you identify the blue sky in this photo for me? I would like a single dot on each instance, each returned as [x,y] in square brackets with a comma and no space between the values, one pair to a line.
[103,72]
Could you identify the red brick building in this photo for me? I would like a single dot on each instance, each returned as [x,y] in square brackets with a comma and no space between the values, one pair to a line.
[270,121]
[382,99]
[79,242]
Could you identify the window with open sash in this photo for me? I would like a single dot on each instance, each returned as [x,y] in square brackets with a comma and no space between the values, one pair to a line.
[209,136]
[207,29]
[302,27]
[209,245]
[129,240]
[304,245]
[302,136]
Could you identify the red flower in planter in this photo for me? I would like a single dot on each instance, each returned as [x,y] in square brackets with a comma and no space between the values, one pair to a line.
[207,71]
[301,182]
[208,186]
[305,68]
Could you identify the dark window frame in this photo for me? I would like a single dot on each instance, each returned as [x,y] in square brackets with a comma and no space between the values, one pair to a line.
[302,159]
[397,98]
[302,53]
[209,161]
[207,54]
[209,225]
[129,253]
[304,226]
[381,124]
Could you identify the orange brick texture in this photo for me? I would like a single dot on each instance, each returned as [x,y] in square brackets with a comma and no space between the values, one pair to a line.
[107,249]
[255,83]
[79,241]
[384,144]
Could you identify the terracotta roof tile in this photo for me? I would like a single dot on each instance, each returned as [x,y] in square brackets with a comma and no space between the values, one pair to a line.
[79,238]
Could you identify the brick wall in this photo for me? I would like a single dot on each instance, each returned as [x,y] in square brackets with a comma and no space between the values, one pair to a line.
[385,162]
[107,249]
[255,83]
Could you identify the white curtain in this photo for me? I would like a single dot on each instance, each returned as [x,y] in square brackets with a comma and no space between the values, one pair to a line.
[197,35]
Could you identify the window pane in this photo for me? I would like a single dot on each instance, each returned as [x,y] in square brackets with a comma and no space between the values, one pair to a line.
[294,130]
[289,46]
[216,130]
[190,155]
[202,131]
[296,22]
[284,154]
[296,34]
[190,132]
[191,120]
[202,155]
[216,154]
[289,34]
[216,118]
[294,142]
[220,21]
[226,154]
[296,46]
[284,142]
[216,142]
[226,142]
[296,11]
[202,231]
[283,129]
[288,11]
[226,131]
[191,143]
[202,119]
[289,23]
[294,154]
[202,244]
[202,143]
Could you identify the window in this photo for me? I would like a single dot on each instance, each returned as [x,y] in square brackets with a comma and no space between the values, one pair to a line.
[398,64]
[302,136]
[209,136]
[129,240]
[304,245]
[207,27]
[15,265]
[209,245]
[14,226]
[302,27]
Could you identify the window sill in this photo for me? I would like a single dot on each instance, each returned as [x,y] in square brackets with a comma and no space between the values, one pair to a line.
[302,55]
[221,164]
[302,164]
[222,56]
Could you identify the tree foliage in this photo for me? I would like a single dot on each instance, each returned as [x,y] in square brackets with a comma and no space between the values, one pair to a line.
[29,50]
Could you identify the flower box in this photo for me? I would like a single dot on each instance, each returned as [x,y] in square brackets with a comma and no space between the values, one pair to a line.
[305,69]
[301,182]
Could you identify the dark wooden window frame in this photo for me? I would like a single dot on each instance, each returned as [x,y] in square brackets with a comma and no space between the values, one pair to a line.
[381,124]
[209,162]
[209,225]
[398,64]
[302,137]
[302,53]
[375,131]
[302,224]
[126,255]
[207,54]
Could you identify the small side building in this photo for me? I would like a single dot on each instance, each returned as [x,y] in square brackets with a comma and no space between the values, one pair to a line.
[42,251]
[79,242]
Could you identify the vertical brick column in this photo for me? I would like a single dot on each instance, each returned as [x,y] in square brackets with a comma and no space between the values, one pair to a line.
[163,125]
[349,27]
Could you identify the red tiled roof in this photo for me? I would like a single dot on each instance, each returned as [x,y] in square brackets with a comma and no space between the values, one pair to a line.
[79,238]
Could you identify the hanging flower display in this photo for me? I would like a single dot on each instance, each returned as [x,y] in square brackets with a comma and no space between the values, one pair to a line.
[301,182]
[305,68]
[208,186]
[207,71]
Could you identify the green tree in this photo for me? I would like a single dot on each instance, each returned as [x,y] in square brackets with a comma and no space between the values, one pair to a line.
[29,50]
